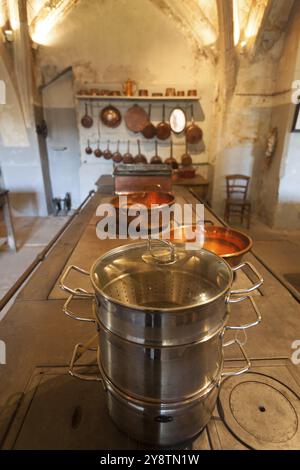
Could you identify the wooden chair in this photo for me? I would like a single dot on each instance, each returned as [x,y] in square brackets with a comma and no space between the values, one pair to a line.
[236,202]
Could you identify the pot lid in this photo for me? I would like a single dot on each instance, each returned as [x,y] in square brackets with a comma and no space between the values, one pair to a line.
[158,276]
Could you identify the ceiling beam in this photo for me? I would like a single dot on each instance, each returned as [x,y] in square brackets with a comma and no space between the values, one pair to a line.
[47,17]
[227,53]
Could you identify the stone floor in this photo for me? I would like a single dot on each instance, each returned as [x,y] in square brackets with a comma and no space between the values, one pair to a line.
[32,234]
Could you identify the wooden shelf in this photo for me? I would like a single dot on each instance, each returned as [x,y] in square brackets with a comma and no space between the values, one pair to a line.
[137,98]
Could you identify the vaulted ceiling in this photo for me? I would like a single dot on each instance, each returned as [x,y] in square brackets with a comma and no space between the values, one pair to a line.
[251,25]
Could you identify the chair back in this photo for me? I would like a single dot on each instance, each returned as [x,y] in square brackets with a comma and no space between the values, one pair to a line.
[237,186]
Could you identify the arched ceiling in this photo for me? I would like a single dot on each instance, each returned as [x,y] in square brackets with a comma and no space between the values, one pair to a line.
[257,24]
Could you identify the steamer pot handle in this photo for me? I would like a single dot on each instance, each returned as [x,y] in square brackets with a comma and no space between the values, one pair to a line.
[248,363]
[78,292]
[69,312]
[255,286]
[247,325]
[79,350]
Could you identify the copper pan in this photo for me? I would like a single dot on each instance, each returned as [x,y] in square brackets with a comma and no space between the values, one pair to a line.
[136,118]
[149,130]
[128,157]
[161,200]
[86,120]
[156,159]
[140,158]
[163,129]
[117,156]
[171,160]
[228,243]
[193,132]
[107,153]
[111,116]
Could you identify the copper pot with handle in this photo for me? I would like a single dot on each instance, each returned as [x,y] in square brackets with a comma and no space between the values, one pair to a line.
[193,132]
[87,120]
[163,129]
[149,130]
[230,244]
[117,156]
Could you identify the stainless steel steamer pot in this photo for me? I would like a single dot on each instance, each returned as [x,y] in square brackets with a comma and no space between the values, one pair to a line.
[161,295]
[161,316]
[159,424]
[164,373]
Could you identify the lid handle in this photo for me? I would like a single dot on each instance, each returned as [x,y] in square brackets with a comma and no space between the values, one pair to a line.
[171,259]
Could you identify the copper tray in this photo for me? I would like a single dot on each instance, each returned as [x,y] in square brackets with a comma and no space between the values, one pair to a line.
[228,243]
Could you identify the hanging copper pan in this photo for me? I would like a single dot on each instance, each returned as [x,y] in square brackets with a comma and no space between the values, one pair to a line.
[163,129]
[149,130]
[171,160]
[88,149]
[107,153]
[111,116]
[128,157]
[140,158]
[136,118]
[156,159]
[87,121]
[186,159]
[193,132]
[117,156]
[98,152]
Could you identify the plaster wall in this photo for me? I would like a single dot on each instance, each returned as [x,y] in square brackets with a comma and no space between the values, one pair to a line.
[280,193]
[20,161]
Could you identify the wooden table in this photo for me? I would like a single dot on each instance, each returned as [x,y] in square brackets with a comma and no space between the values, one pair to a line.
[5,206]
[40,338]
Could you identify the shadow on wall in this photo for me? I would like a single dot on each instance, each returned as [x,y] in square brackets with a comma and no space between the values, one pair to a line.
[26,202]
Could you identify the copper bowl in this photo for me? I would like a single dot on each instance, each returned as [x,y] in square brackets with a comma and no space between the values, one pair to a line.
[228,243]
[161,199]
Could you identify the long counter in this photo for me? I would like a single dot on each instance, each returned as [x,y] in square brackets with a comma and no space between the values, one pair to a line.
[40,340]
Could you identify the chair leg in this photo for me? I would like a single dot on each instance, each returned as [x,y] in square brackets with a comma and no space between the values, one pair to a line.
[227,212]
[242,215]
[249,217]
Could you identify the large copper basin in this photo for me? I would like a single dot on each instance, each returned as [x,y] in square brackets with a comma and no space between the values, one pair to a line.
[161,199]
[145,198]
[228,243]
